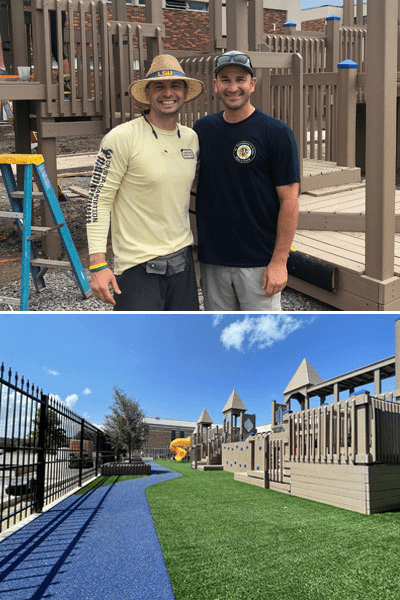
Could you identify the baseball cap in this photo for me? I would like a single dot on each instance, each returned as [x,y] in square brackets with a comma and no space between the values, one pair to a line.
[233,57]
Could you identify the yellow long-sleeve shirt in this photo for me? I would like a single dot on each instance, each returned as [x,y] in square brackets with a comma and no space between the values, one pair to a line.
[144,183]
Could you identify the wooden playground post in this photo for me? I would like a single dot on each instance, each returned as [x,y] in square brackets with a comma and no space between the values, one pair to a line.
[256,24]
[217,42]
[21,108]
[360,13]
[153,14]
[118,10]
[347,107]
[381,138]
[237,25]
[332,43]
[348,13]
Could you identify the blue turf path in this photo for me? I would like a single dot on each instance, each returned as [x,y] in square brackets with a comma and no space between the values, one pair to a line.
[98,546]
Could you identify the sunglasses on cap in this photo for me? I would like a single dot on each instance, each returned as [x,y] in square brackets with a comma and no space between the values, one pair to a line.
[240,59]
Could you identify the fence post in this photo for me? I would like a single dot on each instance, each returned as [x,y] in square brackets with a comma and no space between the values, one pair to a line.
[97,452]
[363,455]
[153,12]
[256,24]
[289,28]
[332,43]
[381,138]
[347,107]
[41,453]
[298,107]
[217,42]
[81,451]
[348,13]
[237,25]
[118,10]
[360,13]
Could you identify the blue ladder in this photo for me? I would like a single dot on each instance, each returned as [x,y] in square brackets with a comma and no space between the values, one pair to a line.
[21,207]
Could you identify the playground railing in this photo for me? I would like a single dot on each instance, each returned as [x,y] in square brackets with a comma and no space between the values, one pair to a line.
[360,430]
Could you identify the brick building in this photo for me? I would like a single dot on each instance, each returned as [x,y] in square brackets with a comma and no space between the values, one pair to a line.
[163,431]
[314,19]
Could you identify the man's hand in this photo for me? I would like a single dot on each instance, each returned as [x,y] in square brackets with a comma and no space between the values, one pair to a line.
[275,278]
[100,283]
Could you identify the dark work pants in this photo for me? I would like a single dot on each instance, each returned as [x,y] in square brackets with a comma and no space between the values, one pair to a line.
[142,291]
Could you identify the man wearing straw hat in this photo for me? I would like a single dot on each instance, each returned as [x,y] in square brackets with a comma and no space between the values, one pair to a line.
[142,178]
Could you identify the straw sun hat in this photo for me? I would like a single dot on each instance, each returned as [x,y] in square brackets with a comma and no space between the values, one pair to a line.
[165,67]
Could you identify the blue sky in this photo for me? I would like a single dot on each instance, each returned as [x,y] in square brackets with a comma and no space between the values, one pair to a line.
[176,365]
[316,3]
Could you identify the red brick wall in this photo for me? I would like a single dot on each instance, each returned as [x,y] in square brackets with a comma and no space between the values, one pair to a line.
[274,17]
[186,30]
[316,25]
[189,30]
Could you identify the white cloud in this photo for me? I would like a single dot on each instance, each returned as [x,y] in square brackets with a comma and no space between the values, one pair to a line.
[262,332]
[234,335]
[51,371]
[87,391]
[216,320]
[71,400]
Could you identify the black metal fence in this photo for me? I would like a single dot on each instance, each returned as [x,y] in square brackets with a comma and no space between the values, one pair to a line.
[46,450]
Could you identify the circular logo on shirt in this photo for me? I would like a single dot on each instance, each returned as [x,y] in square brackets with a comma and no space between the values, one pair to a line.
[244,152]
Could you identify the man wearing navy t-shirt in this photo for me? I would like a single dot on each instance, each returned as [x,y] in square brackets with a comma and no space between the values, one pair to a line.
[247,196]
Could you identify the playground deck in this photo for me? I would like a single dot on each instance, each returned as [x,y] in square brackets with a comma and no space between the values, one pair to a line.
[332,228]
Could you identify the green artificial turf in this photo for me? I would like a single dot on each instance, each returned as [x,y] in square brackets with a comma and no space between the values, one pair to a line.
[100,481]
[227,540]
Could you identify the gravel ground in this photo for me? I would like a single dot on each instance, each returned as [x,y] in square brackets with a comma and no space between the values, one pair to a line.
[62,292]
[99,545]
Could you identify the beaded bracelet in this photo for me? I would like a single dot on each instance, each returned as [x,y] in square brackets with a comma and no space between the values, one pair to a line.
[99,267]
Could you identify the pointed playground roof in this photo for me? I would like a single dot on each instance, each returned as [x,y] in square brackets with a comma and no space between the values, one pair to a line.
[234,403]
[205,418]
[305,376]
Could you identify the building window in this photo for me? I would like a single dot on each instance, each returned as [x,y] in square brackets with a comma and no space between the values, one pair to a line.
[185,5]
[182,434]
[173,434]
[202,6]
[177,4]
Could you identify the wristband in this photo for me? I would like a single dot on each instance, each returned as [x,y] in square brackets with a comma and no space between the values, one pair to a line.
[100,267]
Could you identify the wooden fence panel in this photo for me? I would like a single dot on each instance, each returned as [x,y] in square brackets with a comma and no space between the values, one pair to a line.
[275,463]
[385,431]
[353,45]
[323,434]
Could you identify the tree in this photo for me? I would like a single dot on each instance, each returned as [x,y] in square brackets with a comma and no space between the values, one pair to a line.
[55,433]
[125,427]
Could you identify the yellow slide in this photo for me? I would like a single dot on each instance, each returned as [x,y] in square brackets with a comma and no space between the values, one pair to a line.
[178,446]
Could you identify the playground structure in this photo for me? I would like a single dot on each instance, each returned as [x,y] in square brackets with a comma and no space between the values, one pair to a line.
[345,453]
[180,447]
[207,441]
[318,83]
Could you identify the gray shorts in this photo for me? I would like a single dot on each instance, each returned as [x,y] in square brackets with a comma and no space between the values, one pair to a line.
[235,288]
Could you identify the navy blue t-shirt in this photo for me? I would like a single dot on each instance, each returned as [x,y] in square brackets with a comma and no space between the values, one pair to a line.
[237,205]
